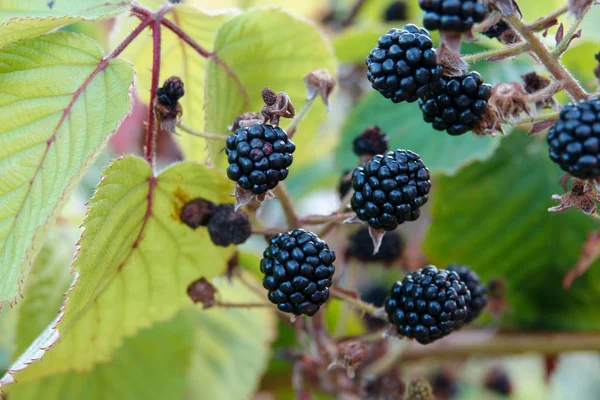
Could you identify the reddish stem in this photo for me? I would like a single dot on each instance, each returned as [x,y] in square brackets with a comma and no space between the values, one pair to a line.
[127,41]
[152,129]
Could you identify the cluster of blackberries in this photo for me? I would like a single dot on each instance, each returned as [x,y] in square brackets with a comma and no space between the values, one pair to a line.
[575,139]
[298,271]
[225,225]
[429,303]
[403,65]
[452,15]
[259,157]
[456,104]
[389,189]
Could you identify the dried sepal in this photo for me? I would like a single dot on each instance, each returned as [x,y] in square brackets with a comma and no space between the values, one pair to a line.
[541,126]
[583,196]
[490,123]
[350,354]
[448,55]
[202,291]
[510,101]
[589,253]
[377,237]
[245,197]
[276,106]
[245,120]
[319,82]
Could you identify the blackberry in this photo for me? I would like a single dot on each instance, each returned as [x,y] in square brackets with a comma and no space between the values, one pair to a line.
[227,226]
[375,295]
[345,184]
[478,290]
[496,30]
[197,212]
[452,15]
[171,91]
[396,11]
[390,189]
[428,304]
[575,139]
[298,269]
[403,65]
[371,142]
[361,247]
[456,104]
[498,381]
[259,157]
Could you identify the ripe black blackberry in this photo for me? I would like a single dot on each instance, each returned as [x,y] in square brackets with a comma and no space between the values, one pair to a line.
[478,290]
[371,142]
[575,139]
[428,304]
[361,247]
[345,184]
[170,92]
[259,157]
[226,226]
[403,65]
[375,295]
[390,189]
[456,104]
[452,15]
[396,11]
[298,269]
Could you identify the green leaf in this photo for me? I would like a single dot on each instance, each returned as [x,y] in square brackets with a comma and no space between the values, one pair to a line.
[149,366]
[135,261]
[493,216]
[266,47]
[59,104]
[178,59]
[22,19]
[232,345]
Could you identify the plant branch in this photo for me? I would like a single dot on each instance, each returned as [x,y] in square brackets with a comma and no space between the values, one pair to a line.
[357,303]
[127,41]
[545,57]
[287,205]
[562,46]
[152,127]
[507,51]
[343,207]
[205,135]
[291,129]
[224,304]
[542,22]
[335,217]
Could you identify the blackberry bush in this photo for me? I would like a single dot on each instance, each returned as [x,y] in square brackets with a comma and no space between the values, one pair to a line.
[403,66]
[259,157]
[478,290]
[298,269]
[452,15]
[456,104]
[390,189]
[428,304]
[575,139]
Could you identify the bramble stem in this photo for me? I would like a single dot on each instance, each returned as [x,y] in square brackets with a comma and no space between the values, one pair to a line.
[335,217]
[545,57]
[291,129]
[152,128]
[540,23]
[543,117]
[357,303]
[564,43]
[343,207]
[287,205]
[507,51]
[205,135]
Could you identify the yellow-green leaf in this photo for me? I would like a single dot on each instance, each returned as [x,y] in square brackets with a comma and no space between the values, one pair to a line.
[21,19]
[59,103]
[266,47]
[135,261]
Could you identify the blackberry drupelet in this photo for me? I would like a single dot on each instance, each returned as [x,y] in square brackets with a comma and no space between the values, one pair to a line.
[428,304]
[390,189]
[226,226]
[298,269]
[575,139]
[371,142]
[259,157]
[171,91]
[403,65]
[456,104]
[361,247]
[452,15]
[478,290]
[396,11]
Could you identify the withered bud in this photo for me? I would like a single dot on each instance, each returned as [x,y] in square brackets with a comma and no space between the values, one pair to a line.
[419,389]
[534,82]
[269,96]
[451,62]
[510,100]
[577,7]
[583,196]
[350,354]
[197,212]
[276,106]
[166,103]
[245,120]
[202,291]
[319,82]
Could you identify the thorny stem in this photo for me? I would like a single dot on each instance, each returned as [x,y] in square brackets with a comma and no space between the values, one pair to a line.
[287,205]
[564,43]
[291,129]
[205,135]
[546,58]
[357,303]
[507,51]
[335,217]
[547,92]
[542,22]
[152,128]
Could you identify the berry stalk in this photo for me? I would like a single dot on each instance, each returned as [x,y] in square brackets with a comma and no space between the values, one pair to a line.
[152,128]
[205,135]
[507,51]
[287,205]
[357,303]
[293,127]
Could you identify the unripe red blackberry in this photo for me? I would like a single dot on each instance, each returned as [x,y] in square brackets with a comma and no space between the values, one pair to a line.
[227,226]
[371,142]
[361,247]
[428,304]
[478,290]
[456,104]
[170,92]
[298,269]
[452,15]
[403,65]
[575,139]
[390,189]
[259,157]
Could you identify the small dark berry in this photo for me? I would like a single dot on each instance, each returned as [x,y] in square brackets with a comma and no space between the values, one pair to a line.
[228,226]
[498,381]
[361,247]
[452,15]
[197,212]
[478,290]
[171,91]
[396,11]
[371,142]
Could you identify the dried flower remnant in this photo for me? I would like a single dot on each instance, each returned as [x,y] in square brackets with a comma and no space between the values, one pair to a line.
[197,212]
[350,354]
[246,120]
[319,82]
[583,196]
[202,291]
[276,106]
[510,101]
[533,84]
[166,103]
